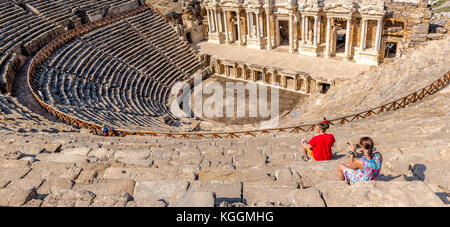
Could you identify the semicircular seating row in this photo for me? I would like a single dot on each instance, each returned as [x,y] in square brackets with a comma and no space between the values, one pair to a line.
[119,75]
[27,25]
[18,29]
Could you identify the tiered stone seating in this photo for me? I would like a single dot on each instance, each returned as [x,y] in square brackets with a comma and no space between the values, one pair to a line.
[65,11]
[116,75]
[246,171]
[413,71]
[20,34]
[16,118]
[151,26]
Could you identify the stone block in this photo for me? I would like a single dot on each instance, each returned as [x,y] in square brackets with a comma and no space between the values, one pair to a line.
[165,190]
[5,163]
[148,174]
[25,184]
[306,198]
[229,192]
[54,184]
[268,193]
[377,193]
[83,151]
[52,148]
[15,197]
[112,200]
[69,198]
[195,199]
[108,187]
[11,174]
[46,170]
[101,153]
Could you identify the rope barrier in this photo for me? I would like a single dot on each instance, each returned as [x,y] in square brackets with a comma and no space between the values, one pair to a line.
[50,48]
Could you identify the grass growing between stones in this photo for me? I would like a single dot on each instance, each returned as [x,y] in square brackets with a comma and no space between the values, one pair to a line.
[439,3]
[441,10]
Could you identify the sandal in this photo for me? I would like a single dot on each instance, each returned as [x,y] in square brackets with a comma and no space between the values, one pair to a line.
[305,158]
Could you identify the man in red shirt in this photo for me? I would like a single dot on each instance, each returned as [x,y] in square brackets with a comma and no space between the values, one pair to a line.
[319,146]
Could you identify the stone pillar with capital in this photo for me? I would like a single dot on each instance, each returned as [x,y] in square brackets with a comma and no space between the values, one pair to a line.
[319,30]
[328,42]
[252,31]
[291,33]
[274,78]
[303,29]
[307,30]
[269,38]
[225,19]
[363,35]
[277,32]
[216,25]
[209,21]
[378,35]
[347,39]
[238,15]
[248,25]
[258,35]
[316,18]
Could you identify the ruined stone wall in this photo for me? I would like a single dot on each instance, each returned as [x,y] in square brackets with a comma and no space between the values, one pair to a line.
[415,19]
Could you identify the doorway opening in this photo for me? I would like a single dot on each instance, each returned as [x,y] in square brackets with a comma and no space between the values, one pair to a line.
[284,33]
[391,50]
[324,88]
[188,37]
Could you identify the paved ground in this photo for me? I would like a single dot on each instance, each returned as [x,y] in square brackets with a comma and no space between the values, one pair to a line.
[315,66]
[443,5]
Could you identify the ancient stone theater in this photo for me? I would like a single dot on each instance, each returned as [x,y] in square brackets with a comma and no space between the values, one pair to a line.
[157,103]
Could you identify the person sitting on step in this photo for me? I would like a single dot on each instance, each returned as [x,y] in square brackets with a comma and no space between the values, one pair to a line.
[106,131]
[319,147]
[364,169]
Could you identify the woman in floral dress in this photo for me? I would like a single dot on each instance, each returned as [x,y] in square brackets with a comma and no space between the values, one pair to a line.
[364,169]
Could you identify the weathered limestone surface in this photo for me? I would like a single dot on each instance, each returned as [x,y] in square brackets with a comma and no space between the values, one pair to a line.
[414,193]
[16,197]
[162,190]
[48,163]
[195,199]
[229,192]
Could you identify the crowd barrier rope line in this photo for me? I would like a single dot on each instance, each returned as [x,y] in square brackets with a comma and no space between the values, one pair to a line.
[50,48]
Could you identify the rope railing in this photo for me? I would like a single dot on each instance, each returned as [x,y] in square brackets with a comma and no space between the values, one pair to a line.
[50,48]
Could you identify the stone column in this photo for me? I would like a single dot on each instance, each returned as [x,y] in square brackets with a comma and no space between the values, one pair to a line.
[303,29]
[316,18]
[319,30]
[239,27]
[347,39]
[363,35]
[328,44]
[306,29]
[219,15]
[248,25]
[277,32]
[295,83]
[252,32]
[216,28]
[258,32]
[378,36]
[227,36]
[291,33]
[269,38]
[209,21]
[274,78]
